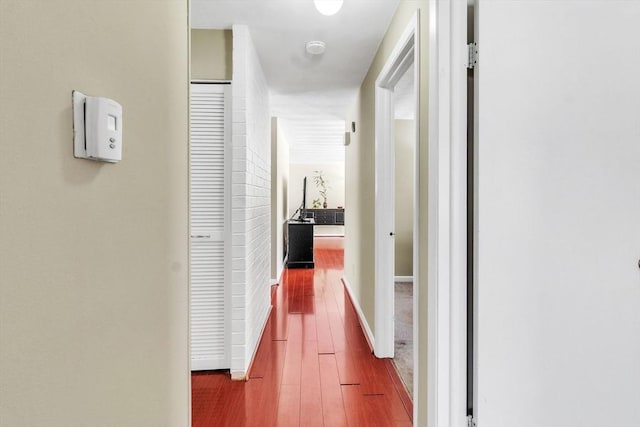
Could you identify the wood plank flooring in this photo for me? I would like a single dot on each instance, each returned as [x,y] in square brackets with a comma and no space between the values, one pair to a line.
[313,366]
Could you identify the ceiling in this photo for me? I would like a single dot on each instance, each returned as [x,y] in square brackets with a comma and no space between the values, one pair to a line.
[311,93]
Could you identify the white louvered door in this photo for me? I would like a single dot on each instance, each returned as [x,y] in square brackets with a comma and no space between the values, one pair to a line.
[210,120]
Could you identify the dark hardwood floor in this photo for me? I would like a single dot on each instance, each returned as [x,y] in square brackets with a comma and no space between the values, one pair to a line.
[313,366]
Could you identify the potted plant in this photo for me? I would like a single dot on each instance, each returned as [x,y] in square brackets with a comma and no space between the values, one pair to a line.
[321,185]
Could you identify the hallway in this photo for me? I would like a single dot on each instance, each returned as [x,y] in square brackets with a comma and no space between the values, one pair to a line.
[313,366]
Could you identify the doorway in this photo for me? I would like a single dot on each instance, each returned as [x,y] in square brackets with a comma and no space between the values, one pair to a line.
[209,223]
[396,198]
[404,142]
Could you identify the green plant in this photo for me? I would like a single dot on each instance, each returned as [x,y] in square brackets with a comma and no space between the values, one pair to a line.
[321,185]
[316,203]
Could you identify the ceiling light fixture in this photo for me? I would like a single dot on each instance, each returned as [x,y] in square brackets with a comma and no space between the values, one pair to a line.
[328,7]
[316,47]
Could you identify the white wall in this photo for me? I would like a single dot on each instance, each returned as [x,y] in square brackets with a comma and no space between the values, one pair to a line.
[93,256]
[279,196]
[251,201]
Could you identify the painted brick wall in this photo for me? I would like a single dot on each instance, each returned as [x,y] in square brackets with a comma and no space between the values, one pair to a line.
[251,201]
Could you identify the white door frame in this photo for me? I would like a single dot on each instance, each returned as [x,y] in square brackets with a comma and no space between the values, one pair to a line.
[405,53]
[447,215]
[445,332]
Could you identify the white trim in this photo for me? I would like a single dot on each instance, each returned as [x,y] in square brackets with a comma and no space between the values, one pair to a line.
[244,375]
[457,352]
[446,282]
[361,317]
[437,112]
[417,409]
[416,226]
[401,279]
[405,53]
[228,222]
[279,276]
[384,222]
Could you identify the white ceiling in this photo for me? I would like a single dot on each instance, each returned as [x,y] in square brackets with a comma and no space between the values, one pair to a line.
[309,92]
[319,141]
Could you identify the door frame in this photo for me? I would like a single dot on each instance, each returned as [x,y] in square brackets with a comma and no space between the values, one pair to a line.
[444,383]
[446,331]
[405,53]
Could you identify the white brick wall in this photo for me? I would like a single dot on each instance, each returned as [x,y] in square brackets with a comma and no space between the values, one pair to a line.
[251,201]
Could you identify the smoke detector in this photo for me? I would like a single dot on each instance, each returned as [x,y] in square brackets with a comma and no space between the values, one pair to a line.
[316,47]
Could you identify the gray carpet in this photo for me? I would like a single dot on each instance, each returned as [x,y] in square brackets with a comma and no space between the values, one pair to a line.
[404,333]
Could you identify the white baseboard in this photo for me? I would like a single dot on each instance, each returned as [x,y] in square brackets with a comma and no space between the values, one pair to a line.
[238,376]
[363,320]
[278,275]
[244,375]
[403,279]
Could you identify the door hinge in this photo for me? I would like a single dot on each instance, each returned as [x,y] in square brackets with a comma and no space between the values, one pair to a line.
[471,422]
[472,55]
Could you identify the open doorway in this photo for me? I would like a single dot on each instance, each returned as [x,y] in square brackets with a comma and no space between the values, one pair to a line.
[404,141]
[396,200]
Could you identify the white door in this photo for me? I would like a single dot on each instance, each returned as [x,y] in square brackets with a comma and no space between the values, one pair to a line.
[209,225]
[558,213]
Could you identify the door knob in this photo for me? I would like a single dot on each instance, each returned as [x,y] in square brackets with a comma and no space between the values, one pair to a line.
[393,234]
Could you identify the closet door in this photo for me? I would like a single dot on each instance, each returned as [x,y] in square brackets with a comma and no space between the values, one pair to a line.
[210,120]
[558,214]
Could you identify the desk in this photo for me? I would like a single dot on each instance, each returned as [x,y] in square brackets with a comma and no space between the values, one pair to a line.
[299,244]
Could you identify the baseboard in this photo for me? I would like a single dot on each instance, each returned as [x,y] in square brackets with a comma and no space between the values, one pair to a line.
[398,279]
[244,376]
[400,387]
[238,376]
[363,321]
[279,275]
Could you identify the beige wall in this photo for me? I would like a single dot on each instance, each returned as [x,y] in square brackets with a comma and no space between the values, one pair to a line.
[279,196]
[360,159]
[211,54]
[93,256]
[405,136]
